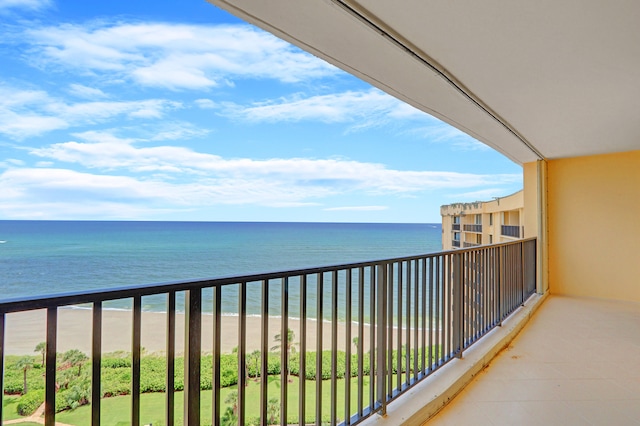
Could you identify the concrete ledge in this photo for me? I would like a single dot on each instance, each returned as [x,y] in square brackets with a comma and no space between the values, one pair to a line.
[431,395]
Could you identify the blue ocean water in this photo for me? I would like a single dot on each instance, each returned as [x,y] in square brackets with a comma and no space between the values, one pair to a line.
[48,257]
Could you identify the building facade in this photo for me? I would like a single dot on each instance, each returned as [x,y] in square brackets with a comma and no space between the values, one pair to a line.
[483,222]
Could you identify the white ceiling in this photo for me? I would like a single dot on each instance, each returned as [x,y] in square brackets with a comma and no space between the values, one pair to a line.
[529,78]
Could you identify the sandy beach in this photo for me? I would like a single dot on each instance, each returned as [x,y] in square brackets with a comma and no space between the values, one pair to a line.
[25,330]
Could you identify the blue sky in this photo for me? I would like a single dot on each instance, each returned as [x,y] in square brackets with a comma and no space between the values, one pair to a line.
[130,110]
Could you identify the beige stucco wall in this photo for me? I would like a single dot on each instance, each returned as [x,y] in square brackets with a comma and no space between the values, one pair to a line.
[594,226]
[446,236]
[535,217]
[530,194]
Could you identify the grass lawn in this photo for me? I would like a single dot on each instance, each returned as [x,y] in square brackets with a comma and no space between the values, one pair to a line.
[9,404]
[117,410]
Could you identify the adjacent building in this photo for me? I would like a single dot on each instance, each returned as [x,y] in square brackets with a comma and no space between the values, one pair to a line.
[483,222]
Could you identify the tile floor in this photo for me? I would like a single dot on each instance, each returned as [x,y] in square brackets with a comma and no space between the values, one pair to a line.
[577,362]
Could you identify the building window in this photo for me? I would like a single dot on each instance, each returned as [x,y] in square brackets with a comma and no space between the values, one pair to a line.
[490,219]
[478,219]
[456,219]
[490,239]
[456,236]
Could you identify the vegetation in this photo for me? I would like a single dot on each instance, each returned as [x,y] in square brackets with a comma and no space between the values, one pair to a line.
[29,402]
[25,363]
[289,346]
[74,384]
[42,349]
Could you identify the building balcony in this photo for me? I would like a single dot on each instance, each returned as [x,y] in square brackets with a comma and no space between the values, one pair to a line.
[455,227]
[576,362]
[455,243]
[510,231]
[467,245]
[397,321]
[472,228]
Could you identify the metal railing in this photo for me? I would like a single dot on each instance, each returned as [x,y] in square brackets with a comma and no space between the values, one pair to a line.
[473,228]
[410,315]
[511,231]
[455,227]
[467,244]
[455,243]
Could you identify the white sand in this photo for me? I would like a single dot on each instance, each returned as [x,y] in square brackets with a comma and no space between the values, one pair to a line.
[25,330]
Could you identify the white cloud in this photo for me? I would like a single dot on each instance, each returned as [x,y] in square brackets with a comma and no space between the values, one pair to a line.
[480,195]
[132,178]
[174,56]
[86,92]
[53,193]
[11,162]
[356,208]
[205,103]
[19,126]
[24,4]
[26,113]
[176,131]
[365,108]
[334,175]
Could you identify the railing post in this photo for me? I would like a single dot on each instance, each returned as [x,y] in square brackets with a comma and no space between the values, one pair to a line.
[522,267]
[192,348]
[284,352]
[215,361]
[96,360]
[171,355]
[457,308]
[136,348]
[50,367]
[242,352]
[381,347]
[264,350]
[2,317]
[500,281]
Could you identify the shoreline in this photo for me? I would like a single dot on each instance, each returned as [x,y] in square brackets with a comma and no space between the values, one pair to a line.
[24,330]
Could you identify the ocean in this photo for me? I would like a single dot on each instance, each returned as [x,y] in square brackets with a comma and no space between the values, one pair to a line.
[50,257]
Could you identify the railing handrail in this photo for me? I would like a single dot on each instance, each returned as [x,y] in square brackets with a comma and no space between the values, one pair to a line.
[98,295]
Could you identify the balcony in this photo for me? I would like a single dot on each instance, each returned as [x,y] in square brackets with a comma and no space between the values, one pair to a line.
[472,228]
[455,227]
[467,245]
[455,243]
[410,317]
[553,372]
[510,231]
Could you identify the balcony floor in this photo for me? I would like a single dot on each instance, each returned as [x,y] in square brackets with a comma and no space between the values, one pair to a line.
[576,362]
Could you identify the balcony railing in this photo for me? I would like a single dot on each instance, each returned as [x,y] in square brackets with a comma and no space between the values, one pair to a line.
[467,245]
[473,228]
[455,227]
[411,316]
[511,231]
[455,243]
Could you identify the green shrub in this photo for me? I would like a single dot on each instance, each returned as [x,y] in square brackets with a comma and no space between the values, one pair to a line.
[294,365]
[153,371]
[29,403]
[116,381]
[273,364]
[77,394]
[116,362]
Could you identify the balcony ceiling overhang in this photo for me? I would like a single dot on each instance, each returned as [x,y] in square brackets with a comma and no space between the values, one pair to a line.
[548,79]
